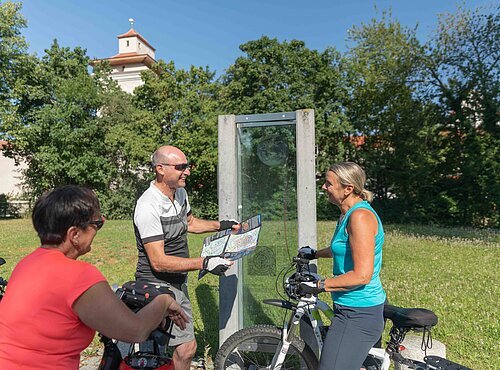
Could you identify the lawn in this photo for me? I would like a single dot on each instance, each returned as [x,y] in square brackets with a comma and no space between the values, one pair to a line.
[454,272]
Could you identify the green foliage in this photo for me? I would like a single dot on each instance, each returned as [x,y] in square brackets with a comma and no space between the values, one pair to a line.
[278,76]
[421,119]
[183,104]
[12,49]
[462,70]
[287,76]
[7,210]
[382,66]
[53,124]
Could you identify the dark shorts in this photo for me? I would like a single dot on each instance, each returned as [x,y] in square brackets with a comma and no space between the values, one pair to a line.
[352,333]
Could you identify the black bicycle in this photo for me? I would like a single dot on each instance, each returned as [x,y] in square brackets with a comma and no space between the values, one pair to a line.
[137,295]
[3,282]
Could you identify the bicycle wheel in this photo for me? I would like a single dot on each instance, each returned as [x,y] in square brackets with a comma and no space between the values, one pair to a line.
[253,348]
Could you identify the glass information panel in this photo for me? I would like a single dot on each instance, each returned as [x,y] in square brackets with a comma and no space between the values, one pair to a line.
[267,185]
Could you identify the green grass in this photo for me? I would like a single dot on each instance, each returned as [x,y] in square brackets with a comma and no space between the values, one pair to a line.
[453,272]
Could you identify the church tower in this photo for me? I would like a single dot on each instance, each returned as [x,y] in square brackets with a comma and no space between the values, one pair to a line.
[135,54]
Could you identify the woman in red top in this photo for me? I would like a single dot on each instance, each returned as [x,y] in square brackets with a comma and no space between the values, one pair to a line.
[55,303]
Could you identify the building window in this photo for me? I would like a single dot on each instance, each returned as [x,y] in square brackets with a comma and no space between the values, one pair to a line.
[128,43]
[139,45]
[123,67]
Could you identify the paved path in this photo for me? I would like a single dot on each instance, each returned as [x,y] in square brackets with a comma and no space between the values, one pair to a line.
[92,363]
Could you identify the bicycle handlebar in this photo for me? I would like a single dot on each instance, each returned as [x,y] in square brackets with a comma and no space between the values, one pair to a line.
[302,274]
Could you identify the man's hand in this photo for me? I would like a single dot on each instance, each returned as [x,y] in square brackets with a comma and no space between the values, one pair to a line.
[229,224]
[310,287]
[177,314]
[307,252]
[216,265]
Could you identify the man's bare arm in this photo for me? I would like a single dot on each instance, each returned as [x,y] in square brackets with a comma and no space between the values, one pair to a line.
[160,262]
[198,226]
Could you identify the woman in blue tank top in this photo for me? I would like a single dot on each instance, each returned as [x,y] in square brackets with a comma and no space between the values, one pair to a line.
[356,249]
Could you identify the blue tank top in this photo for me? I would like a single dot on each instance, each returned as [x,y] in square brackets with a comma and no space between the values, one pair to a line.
[371,294]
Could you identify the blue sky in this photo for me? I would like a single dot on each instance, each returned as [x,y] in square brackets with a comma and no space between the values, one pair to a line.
[209,32]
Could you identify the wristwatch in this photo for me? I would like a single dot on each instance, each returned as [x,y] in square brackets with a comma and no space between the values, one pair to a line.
[321,285]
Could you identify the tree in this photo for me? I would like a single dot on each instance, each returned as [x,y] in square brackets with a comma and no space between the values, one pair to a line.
[463,78]
[184,108]
[278,76]
[53,125]
[391,124]
[71,127]
[13,54]
[131,136]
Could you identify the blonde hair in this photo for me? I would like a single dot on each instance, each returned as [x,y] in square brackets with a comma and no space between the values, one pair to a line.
[349,173]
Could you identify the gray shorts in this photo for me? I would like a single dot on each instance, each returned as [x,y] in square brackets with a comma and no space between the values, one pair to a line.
[186,335]
[181,336]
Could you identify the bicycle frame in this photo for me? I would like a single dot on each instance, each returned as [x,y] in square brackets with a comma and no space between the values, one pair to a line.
[311,308]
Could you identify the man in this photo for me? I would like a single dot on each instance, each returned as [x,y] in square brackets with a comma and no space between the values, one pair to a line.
[162,219]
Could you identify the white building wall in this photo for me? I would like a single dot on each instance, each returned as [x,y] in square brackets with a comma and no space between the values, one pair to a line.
[135,45]
[10,176]
[129,77]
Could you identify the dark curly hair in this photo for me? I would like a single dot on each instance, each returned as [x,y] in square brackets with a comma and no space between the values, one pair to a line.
[59,209]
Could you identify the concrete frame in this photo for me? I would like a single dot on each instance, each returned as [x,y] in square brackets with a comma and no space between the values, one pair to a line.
[230,313]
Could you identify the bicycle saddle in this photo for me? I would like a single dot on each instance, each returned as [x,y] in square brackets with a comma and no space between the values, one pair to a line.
[410,318]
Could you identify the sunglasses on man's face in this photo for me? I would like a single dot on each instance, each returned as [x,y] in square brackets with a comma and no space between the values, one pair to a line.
[178,167]
[98,223]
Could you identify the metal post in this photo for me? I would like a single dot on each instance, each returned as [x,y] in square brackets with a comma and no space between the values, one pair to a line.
[229,307]
[306,178]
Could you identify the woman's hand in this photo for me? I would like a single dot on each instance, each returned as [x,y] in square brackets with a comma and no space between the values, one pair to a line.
[177,314]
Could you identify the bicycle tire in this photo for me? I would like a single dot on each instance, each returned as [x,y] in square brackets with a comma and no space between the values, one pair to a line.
[254,348]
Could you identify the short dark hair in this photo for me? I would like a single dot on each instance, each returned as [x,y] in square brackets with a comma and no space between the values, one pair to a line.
[59,209]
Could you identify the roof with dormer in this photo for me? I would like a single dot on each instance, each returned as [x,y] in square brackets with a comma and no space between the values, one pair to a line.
[132,33]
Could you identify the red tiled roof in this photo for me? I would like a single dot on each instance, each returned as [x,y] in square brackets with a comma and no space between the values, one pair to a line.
[124,55]
[127,58]
[131,33]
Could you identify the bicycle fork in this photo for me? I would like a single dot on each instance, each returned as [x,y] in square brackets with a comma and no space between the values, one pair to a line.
[286,336]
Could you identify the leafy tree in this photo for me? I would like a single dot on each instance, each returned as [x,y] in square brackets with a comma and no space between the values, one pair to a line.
[390,124]
[72,127]
[463,76]
[278,76]
[131,136]
[53,123]
[13,54]
[184,107]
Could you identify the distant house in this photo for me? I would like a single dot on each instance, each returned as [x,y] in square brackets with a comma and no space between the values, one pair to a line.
[135,55]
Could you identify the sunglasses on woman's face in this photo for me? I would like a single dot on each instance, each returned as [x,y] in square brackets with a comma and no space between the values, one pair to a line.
[98,223]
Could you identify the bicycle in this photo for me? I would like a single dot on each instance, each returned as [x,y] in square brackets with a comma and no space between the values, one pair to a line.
[3,282]
[271,347]
[136,295]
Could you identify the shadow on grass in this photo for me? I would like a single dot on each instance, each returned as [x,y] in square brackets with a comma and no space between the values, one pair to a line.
[209,310]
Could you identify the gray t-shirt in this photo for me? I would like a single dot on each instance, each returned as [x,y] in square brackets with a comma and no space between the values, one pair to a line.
[157,218]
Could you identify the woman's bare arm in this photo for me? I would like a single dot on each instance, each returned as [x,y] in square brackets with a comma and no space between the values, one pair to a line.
[99,308]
